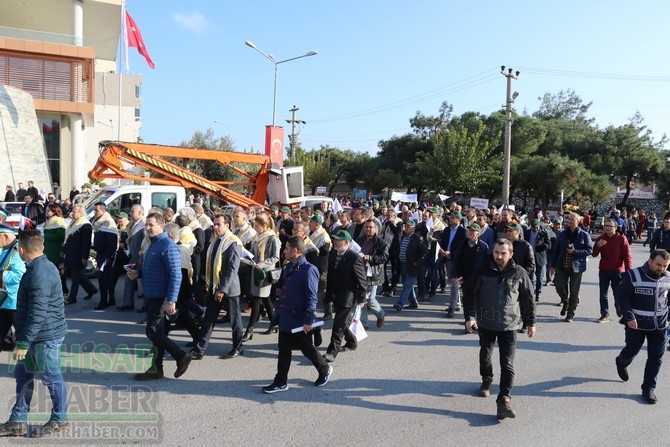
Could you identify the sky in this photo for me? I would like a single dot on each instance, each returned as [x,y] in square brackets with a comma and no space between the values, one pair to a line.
[381,62]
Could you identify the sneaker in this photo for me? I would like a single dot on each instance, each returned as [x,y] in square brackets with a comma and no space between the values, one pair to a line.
[604,319]
[505,408]
[537,298]
[649,396]
[485,388]
[11,428]
[324,378]
[623,372]
[569,317]
[275,388]
[49,428]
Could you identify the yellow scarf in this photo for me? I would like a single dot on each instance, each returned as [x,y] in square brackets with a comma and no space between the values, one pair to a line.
[54,222]
[261,241]
[226,241]
[76,225]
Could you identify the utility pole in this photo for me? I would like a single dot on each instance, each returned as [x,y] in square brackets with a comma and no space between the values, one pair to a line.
[293,138]
[507,150]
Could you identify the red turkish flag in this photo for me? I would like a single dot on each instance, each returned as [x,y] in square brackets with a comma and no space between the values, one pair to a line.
[134,39]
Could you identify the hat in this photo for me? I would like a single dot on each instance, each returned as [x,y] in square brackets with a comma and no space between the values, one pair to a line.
[285,209]
[456,214]
[410,223]
[514,226]
[375,202]
[122,215]
[319,212]
[617,211]
[259,276]
[341,235]
[474,227]
[316,218]
[7,229]
[274,208]
[535,223]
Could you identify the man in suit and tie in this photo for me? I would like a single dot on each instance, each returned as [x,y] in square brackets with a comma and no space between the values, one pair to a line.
[346,285]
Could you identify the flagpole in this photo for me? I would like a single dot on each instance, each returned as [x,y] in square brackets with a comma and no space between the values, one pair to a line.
[122,55]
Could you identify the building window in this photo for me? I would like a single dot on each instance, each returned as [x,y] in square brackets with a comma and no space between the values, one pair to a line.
[51,134]
[138,116]
[138,91]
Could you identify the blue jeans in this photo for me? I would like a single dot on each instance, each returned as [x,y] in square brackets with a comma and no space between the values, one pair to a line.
[408,282]
[454,290]
[43,359]
[605,280]
[373,305]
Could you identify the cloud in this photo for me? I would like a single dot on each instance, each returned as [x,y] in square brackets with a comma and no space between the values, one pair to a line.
[193,21]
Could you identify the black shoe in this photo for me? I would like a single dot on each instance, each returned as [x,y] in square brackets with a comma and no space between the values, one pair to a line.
[191,344]
[564,309]
[142,322]
[485,387]
[505,408]
[14,429]
[142,310]
[324,378]
[275,388]
[329,357]
[623,372]
[347,347]
[182,365]
[397,307]
[234,353]
[450,313]
[149,375]
[49,428]
[68,302]
[569,317]
[90,295]
[197,355]
[649,396]
[327,317]
[271,330]
[412,306]
[125,308]
[101,306]
[248,335]
[318,338]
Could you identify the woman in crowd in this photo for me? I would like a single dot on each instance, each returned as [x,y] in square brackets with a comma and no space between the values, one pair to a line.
[54,237]
[265,247]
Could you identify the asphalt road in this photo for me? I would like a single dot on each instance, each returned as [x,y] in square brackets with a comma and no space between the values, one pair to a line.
[412,383]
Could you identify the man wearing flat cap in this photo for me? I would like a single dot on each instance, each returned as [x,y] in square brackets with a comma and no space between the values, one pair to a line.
[411,255]
[345,287]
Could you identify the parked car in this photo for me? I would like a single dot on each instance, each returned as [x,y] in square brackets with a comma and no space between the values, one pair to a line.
[14,210]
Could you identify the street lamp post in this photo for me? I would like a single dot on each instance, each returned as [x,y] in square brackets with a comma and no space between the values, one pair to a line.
[276,64]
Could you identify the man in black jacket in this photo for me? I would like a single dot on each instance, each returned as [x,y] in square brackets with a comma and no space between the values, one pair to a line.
[77,248]
[452,237]
[411,253]
[375,254]
[538,238]
[469,259]
[499,290]
[346,285]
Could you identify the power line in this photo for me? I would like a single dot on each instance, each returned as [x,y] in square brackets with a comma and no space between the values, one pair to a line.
[594,75]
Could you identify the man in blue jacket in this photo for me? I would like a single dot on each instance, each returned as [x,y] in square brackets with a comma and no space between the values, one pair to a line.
[295,308]
[568,263]
[160,270]
[12,269]
[40,331]
[642,299]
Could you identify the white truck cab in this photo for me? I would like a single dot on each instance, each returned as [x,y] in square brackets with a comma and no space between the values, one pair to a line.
[122,198]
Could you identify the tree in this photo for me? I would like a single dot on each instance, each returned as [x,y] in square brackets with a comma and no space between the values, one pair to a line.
[398,153]
[425,126]
[459,161]
[565,105]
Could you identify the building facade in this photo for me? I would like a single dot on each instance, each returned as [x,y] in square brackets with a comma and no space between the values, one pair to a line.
[63,53]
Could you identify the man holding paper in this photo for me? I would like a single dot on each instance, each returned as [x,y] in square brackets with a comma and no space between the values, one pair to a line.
[296,307]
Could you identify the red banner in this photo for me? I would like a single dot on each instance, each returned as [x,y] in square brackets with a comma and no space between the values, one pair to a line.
[274,144]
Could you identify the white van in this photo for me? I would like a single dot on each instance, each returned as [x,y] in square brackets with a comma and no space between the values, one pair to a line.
[122,198]
[316,200]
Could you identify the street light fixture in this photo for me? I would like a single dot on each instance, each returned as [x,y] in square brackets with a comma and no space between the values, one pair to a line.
[276,64]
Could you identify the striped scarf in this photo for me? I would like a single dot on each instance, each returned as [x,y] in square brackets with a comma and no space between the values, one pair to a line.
[226,241]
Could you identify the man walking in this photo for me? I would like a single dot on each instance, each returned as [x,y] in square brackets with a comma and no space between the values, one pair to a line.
[411,253]
[346,285]
[40,331]
[160,271]
[539,240]
[223,283]
[615,259]
[77,248]
[375,254]
[568,263]
[498,291]
[296,307]
[642,298]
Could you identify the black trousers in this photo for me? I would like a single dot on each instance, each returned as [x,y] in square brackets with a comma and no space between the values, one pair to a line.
[656,343]
[80,278]
[256,310]
[341,331]
[157,333]
[302,341]
[105,282]
[507,348]
[6,323]
[211,315]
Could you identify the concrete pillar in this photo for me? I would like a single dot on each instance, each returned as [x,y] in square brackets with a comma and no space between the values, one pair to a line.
[78,22]
[78,174]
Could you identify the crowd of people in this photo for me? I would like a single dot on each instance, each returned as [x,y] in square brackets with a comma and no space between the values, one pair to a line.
[191,265]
